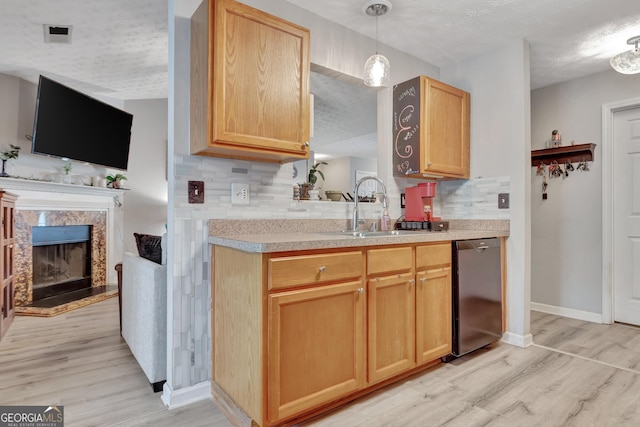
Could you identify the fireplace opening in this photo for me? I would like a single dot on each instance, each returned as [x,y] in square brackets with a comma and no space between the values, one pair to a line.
[61,260]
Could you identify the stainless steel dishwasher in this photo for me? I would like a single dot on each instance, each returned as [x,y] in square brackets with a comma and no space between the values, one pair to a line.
[477,294]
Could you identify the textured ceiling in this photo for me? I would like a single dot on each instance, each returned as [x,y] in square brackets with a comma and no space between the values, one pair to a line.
[568,38]
[344,115]
[119,47]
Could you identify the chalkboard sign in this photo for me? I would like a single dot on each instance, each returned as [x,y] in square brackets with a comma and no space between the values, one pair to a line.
[406,128]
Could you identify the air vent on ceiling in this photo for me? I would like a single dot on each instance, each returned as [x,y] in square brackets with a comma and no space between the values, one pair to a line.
[57,33]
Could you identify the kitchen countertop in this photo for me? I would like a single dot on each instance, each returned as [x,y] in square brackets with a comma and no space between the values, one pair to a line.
[248,238]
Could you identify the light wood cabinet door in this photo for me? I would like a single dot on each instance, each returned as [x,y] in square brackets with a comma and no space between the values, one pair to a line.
[316,346]
[254,68]
[431,130]
[391,331]
[7,291]
[433,314]
[445,145]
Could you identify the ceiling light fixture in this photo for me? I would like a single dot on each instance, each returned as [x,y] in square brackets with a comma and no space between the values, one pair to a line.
[376,69]
[628,62]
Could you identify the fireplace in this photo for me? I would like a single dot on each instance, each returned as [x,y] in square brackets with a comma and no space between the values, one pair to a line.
[61,259]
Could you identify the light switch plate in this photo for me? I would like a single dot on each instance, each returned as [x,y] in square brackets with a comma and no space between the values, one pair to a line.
[240,194]
[503,201]
[196,191]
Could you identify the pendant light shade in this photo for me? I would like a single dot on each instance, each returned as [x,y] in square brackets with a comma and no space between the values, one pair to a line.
[376,69]
[628,62]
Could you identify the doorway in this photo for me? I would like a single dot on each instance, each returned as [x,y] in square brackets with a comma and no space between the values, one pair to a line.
[621,212]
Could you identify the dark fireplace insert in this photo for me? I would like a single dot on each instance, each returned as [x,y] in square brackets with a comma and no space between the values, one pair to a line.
[61,260]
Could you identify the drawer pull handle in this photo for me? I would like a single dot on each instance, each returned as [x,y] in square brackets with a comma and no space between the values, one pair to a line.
[322,269]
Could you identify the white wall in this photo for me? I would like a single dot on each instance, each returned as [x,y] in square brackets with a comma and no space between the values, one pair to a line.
[500,146]
[566,253]
[146,200]
[9,103]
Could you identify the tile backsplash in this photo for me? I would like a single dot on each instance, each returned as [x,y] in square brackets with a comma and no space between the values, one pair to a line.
[476,198]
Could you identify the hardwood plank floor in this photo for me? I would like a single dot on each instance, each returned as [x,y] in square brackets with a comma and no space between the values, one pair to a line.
[79,360]
[577,374]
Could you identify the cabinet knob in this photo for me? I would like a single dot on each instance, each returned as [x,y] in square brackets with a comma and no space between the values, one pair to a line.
[322,269]
[429,164]
[412,281]
[423,280]
[361,291]
[306,144]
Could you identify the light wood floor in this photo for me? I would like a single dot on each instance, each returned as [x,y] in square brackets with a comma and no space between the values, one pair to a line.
[577,374]
[79,360]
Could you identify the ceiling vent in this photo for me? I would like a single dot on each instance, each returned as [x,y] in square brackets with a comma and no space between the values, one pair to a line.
[57,33]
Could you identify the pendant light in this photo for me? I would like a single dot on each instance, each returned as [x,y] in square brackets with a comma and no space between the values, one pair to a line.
[376,69]
[628,62]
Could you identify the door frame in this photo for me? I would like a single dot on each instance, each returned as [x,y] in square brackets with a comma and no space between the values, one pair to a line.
[608,111]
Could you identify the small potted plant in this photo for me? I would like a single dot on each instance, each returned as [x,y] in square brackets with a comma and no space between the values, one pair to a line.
[312,178]
[307,187]
[114,180]
[11,153]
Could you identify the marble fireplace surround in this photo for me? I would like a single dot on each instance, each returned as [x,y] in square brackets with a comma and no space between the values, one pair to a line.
[23,259]
[43,203]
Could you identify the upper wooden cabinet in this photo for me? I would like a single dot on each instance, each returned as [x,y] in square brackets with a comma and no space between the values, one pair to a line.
[249,84]
[430,130]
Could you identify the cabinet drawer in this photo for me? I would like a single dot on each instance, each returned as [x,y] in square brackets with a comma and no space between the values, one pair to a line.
[388,260]
[433,255]
[288,272]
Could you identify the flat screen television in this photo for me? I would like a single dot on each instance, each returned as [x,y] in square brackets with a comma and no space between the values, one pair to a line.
[69,124]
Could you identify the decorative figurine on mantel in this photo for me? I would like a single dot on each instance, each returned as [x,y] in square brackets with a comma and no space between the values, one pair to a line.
[12,153]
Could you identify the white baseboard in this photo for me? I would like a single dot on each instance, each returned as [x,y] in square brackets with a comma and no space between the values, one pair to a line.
[567,312]
[185,396]
[518,340]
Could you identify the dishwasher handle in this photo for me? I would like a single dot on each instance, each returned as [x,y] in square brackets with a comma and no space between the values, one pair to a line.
[479,245]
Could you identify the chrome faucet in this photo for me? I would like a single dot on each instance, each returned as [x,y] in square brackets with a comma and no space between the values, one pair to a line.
[355,201]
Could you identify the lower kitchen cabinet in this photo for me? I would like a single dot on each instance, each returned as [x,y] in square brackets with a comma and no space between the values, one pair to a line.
[341,323]
[316,346]
[433,302]
[391,326]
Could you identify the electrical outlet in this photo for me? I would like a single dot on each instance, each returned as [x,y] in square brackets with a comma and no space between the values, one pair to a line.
[503,201]
[240,194]
[196,191]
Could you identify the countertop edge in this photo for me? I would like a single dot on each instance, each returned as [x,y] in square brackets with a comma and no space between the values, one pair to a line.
[285,242]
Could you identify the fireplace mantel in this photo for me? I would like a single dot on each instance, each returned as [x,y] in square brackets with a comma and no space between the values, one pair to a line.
[56,187]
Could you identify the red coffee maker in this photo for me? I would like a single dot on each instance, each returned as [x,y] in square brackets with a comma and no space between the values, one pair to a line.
[418,202]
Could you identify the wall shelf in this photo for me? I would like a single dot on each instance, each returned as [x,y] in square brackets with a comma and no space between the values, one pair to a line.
[562,154]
